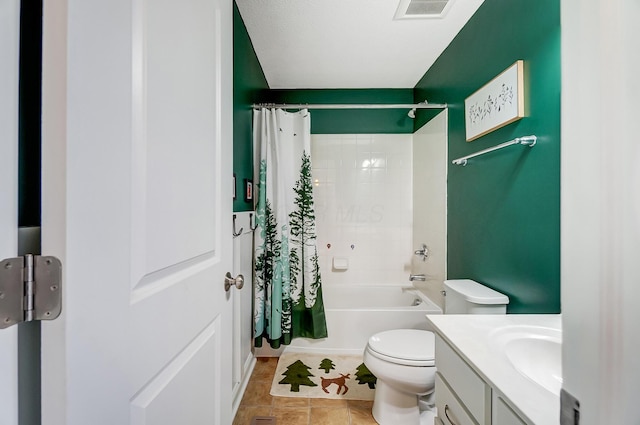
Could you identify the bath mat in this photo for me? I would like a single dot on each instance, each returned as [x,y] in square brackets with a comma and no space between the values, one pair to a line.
[334,376]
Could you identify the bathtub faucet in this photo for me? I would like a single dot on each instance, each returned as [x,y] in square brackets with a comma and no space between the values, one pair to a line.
[423,252]
[419,277]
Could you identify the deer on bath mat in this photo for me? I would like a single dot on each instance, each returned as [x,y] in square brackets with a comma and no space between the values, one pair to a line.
[340,382]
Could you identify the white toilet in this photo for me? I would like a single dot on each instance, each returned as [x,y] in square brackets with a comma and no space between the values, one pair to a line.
[403,359]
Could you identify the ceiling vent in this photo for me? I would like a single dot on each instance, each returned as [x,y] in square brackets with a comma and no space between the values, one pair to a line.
[422,9]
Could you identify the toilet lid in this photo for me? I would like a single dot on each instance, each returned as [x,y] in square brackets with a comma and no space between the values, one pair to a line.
[406,346]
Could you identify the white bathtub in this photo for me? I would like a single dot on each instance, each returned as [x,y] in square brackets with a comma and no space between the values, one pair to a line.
[355,312]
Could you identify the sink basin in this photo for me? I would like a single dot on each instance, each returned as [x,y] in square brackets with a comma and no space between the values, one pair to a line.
[539,360]
[535,352]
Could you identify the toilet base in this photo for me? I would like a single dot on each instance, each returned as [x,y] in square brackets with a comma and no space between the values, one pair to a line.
[428,417]
[392,407]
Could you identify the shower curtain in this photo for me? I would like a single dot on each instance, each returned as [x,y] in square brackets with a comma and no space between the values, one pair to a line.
[287,292]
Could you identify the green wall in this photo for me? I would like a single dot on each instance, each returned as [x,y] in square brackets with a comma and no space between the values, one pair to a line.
[504,208]
[249,86]
[351,121]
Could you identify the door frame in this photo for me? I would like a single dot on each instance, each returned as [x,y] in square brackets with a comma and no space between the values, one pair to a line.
[9,116]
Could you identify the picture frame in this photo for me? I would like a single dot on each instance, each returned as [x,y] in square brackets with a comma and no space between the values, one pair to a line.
[248,190]
[234,186]
[496,104]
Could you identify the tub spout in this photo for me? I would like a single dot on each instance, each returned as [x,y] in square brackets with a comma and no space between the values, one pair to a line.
[419,277]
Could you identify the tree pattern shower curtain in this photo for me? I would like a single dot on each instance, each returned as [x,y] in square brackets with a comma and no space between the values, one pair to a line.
[287,290]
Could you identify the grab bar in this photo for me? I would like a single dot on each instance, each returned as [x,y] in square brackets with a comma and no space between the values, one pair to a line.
[526,140]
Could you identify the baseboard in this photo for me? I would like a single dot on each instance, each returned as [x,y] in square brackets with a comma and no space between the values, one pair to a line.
[249,365]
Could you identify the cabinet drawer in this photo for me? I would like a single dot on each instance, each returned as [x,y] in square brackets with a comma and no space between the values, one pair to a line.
[472,391]
[450,410]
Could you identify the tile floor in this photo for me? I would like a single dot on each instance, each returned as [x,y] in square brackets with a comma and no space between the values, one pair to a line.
[296,411]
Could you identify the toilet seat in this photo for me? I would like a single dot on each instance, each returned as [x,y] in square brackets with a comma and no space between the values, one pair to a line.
[410,347]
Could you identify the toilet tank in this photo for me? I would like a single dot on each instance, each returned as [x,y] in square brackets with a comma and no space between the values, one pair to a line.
[465,296]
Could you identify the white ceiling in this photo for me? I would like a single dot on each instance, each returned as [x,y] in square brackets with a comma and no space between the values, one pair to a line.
[347,43]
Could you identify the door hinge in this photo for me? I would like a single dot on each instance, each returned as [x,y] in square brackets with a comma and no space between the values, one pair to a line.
[30,289]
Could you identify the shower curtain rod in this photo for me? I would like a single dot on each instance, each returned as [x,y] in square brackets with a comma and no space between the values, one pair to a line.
[351,106]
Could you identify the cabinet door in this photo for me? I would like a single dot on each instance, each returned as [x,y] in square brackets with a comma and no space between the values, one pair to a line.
[503,415]
[473,392]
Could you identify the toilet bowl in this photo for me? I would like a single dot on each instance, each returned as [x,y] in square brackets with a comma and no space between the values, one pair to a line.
[403,362]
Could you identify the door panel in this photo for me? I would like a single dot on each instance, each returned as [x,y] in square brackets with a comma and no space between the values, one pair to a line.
[147,323]
[171,396]
[9,48]
[178,158]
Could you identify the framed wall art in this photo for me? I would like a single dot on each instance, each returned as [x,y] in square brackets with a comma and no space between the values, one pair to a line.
[496,104]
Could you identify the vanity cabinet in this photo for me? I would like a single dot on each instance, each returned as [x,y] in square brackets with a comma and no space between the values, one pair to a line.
[463,397]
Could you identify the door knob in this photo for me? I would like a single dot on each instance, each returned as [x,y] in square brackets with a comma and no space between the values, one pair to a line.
[229,280]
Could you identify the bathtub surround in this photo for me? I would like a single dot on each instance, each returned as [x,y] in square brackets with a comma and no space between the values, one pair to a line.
[363,196]
[430,205]
[288,293]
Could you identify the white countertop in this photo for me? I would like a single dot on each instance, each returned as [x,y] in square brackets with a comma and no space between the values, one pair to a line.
[471,337]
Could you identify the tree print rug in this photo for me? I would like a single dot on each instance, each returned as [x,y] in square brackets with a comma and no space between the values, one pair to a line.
[314,375]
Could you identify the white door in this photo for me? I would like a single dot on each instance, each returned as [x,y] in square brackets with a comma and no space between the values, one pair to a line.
[9,47]
[137,119]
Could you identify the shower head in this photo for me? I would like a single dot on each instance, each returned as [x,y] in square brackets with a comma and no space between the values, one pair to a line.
[412,113]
